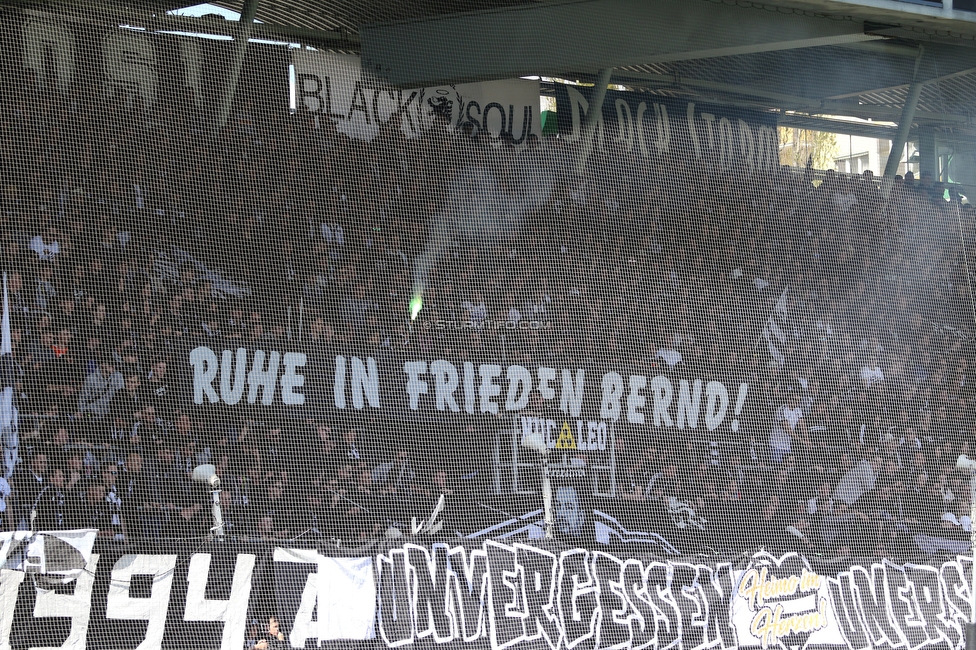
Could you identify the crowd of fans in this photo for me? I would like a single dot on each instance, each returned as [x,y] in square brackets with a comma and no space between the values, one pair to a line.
[130,236]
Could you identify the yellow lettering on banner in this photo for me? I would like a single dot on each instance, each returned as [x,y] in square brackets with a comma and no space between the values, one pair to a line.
[769,625]
[759,586]
[566,439]
[809,581]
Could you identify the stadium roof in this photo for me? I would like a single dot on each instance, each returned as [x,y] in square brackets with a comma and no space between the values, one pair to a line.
[803,57]
[919,17]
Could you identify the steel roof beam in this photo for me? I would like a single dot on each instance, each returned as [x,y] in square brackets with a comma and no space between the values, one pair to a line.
[827,125]
[801,79]
[340,39]
[839,72]
[585,35]
[157,20]
[270,31]
[866,130]
[766,99]
[924,82]
[905,122]
[237,61]
[865,111]
[790,102]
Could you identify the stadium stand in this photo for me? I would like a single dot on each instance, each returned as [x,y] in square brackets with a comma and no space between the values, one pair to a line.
[496,324]
[129,238]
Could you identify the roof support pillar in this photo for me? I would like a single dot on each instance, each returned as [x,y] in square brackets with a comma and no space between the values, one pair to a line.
[593,114]
[928,159]
[237,61]
[905,122]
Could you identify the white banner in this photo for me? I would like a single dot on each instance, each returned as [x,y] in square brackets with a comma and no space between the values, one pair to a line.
[244,377]
[490,594]
[333,87]
[59,555]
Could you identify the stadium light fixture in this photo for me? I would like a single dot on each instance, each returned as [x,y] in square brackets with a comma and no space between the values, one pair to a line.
[536,442]
[207,474]
[966,464]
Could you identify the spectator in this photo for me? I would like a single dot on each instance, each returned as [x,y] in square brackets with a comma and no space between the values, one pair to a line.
[134,492]
[159,389]
[638,253]
[858,481]
[235,524]
[168,497]
[46,247]
[669,355]
[91,511]
[52,503]
[99,389]
[131,401]
[772,522]
[789,425]
[354,450]
[27,484]
[254,633]
[871,374]
[46,291]
[274,637]
[114,521]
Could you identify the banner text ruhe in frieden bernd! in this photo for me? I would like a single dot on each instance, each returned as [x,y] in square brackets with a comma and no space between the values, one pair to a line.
[293,381]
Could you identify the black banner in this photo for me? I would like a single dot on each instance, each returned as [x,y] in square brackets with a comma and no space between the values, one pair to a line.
[655,126]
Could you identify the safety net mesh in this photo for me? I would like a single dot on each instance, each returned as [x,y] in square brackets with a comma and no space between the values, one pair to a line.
[294,355]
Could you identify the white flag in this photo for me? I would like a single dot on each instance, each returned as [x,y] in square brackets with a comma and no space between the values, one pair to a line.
[59,556]
[774,330]
[8,412]
[6,343]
